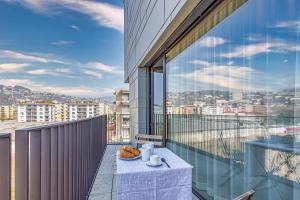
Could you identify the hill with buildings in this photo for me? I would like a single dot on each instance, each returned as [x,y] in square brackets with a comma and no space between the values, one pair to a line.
[10,95]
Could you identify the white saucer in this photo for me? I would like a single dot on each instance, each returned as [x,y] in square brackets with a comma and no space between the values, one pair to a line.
[152,165]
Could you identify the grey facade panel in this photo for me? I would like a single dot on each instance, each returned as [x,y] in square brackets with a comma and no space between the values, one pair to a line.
[147,25]
[144,22]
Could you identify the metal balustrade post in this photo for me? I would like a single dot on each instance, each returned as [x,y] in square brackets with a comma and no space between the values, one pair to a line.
[5,166]
[21,164]
[54,163]
[66,162]
[45,163]
[60,163]
[34,165]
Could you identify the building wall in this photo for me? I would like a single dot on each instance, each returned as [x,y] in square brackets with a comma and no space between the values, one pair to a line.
[61,112]
[148,23]
[73,112]
[145,21]
[36,113]
[104,109]
[7,112]
[22,114]
[122,113]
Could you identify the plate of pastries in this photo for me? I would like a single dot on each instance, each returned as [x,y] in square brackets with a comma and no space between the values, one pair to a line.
[129,153]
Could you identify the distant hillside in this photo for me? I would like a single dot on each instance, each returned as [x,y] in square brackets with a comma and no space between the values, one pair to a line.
[12,94]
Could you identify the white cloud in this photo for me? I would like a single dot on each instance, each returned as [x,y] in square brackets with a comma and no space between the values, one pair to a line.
[63,70]
[92,73]
[230,63]
[13,82]
[291,25]
[200,62]
[103,67]
[41,72]
[104,14]
[12,67]
[62,42]
[27,57]
[211,41]
[75,27]
[272,46]
[249,50]
[225,76]
[54,72]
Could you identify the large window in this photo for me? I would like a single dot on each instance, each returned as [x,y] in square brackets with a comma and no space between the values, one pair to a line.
[157,96]
[233,101]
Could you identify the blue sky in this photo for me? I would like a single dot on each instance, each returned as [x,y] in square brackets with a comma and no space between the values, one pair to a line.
[62,46]
[257,48]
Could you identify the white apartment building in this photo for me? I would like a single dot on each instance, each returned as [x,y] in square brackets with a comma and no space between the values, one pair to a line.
[73,112]
[22,114]
[36,113]
[104,109]
[212,110]
[82,111]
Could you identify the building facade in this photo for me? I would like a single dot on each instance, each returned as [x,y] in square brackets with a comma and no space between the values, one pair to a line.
[36,112]
[122,114]
[104,109]
[218,79]
[8,112]
[61,112]
[43,112]
[82,110]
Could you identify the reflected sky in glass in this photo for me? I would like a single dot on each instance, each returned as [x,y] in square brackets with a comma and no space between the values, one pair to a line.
[255,49]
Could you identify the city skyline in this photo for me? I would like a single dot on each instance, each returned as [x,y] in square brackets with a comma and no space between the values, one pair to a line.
[62,47]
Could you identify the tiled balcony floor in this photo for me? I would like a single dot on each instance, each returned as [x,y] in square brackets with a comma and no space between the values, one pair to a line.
[104,187]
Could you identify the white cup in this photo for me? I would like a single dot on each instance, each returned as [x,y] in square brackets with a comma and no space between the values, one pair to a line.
[154,159]
[146,153]
[149,145]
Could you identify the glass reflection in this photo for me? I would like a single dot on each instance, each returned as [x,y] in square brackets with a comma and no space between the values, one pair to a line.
[157,104]
[233,104]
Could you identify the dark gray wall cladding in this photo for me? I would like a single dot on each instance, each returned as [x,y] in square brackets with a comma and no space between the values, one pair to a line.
[144,20]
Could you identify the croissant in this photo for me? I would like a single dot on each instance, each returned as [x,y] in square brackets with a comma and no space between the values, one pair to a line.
[132,150]
[126,154]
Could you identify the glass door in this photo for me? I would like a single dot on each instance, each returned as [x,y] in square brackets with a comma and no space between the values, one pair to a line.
[157,98]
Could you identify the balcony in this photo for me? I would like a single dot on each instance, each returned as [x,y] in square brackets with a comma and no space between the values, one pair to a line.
[76,160]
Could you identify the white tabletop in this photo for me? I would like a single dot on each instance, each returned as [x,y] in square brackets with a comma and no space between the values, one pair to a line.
[136,180]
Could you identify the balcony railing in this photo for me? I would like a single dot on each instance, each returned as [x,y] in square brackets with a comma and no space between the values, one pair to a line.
[59,161]
[118,129]
[5,166]
[224,149]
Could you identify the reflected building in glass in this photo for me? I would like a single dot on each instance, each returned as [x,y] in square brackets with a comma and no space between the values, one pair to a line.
[220,80]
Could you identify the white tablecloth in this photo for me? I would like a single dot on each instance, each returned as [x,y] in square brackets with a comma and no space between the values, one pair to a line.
[137,181]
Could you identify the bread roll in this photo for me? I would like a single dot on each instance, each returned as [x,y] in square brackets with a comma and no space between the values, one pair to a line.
[132,150]
[126,154]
